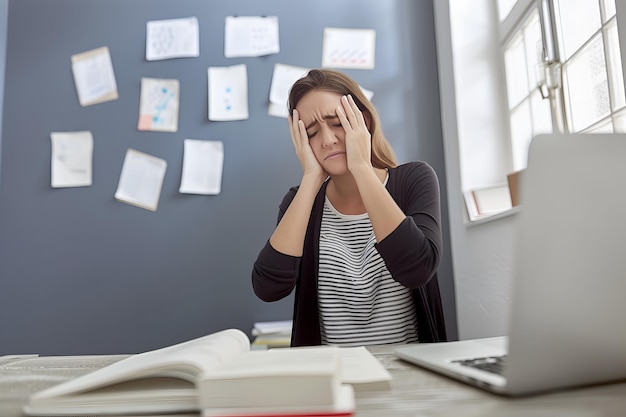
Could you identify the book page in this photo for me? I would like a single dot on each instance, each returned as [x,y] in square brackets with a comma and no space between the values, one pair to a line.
[187,360]
[358,366]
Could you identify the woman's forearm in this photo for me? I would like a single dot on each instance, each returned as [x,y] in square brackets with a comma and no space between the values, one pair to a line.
[384,213]
[288,238]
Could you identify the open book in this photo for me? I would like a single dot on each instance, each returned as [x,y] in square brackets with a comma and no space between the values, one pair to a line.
[217,375]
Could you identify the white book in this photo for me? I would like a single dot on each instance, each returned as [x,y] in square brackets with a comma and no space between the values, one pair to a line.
[215,375]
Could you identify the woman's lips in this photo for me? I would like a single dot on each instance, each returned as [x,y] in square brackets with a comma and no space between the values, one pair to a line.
[334,155]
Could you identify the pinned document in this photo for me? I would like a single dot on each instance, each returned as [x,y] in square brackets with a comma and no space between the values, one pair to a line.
[158,107]
[141,180]
[94,77]
[282,79]
[250,36]
[172,38]
[72,154]
[228,93]
[202,167]
[348,48]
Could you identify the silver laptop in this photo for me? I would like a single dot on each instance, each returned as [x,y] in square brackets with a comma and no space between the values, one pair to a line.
[568,302]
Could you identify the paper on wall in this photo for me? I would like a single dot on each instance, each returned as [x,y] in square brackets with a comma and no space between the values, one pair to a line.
[203,162]
[71,162]
[348,48]
[141,180]
[228,93]
[94,77]
[282,79]
[172,38]
[250,36]
[158,107]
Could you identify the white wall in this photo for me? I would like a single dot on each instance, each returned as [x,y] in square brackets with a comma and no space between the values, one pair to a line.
[474,117]
[473,122]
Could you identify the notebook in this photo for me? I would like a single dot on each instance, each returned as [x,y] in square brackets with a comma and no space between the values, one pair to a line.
[568,296]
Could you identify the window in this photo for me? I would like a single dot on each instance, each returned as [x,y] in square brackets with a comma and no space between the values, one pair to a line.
[563,69]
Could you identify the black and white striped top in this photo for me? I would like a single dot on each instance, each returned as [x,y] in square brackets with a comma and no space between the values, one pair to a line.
[359,302]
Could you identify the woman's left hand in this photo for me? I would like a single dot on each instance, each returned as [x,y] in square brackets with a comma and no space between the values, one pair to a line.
[358,138]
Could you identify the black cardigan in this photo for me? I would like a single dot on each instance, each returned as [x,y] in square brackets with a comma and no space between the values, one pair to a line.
[411,252]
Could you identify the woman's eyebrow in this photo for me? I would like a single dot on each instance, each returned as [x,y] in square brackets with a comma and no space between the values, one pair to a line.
[326,117]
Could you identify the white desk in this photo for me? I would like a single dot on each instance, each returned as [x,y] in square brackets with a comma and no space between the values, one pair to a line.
[415,392]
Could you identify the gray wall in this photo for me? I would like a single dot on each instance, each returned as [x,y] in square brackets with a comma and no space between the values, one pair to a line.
[82,273]
[4,4]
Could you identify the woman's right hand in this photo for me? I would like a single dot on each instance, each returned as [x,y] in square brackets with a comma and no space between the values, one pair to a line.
[300,140]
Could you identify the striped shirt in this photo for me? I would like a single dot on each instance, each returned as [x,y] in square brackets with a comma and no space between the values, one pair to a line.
[359,302]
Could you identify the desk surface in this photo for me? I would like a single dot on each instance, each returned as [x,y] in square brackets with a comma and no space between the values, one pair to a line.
[414,392]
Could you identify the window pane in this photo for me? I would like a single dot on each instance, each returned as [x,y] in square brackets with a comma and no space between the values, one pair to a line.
[521,134]
[534,48]
[586,86]
[504,8]
[542,117]
[619,122]
[609,9]
[604,127]
[614,64]
[577,21]
[516,74]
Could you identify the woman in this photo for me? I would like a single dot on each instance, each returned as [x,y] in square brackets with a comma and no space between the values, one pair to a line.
[359,239]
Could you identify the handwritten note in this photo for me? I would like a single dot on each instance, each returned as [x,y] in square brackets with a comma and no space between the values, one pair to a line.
[141,180]
[72,154]
[158,108]
[348,48]
[202,167]
[228,93]
[94,77]
[250,36]
[172,38]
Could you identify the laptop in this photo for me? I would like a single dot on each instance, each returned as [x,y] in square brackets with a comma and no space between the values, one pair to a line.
[568,299]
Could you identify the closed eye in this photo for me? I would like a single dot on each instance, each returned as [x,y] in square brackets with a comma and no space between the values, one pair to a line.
[310,135]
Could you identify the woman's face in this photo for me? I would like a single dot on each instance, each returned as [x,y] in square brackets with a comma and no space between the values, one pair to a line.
[318,111]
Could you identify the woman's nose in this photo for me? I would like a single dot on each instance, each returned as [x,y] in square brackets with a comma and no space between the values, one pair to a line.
[329,137]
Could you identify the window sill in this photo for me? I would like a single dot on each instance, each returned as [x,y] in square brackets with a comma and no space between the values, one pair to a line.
[493,217]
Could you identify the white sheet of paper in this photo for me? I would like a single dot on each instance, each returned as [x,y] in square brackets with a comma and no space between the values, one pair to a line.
[250,36]
[282,79]
[94,77]
[228,93]
[202,167]
[348,48]
[368,93]
[72,155]
[158,108]
[172,38]
[141,180]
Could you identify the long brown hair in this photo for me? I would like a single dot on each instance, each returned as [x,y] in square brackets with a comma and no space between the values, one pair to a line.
[337,82]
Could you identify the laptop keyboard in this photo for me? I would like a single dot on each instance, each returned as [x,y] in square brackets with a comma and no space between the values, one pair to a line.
[493,364]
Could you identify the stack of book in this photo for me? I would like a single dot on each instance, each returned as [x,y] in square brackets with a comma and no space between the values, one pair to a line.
[271,334]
